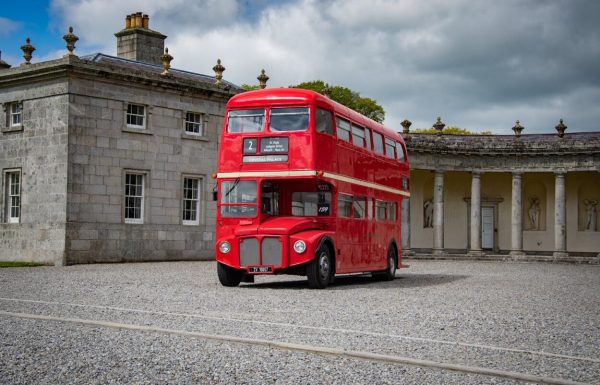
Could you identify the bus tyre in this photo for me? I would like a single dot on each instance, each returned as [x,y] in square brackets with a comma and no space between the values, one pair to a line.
[390,272]
[320,269]
[229,276]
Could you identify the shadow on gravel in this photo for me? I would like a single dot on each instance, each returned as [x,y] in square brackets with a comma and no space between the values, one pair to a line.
[358,281]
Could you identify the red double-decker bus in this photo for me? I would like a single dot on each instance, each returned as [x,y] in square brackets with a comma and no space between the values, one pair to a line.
[307,186]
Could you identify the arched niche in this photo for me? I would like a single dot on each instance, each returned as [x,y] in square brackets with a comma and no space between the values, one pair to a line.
[534,206]
[588,205]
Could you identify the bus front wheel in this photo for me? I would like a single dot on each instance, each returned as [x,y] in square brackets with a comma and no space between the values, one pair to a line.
[320,269]
[229,276]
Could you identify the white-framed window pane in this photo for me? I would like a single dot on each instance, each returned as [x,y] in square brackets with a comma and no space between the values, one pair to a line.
[13,196]
[136,115]
[16,114]
[193,123]
[134,198]
[191,201]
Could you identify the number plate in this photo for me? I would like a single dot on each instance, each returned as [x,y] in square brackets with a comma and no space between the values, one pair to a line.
[260,269]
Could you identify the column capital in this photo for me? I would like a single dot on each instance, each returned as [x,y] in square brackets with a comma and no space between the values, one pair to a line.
[476,173]
[517,174]
[560,174]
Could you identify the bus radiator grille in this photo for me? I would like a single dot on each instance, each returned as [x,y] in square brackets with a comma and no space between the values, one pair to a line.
[270,250]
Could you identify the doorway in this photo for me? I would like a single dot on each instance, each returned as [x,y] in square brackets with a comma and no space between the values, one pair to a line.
[487,228]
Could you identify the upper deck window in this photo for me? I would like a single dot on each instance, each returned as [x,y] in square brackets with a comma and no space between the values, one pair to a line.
[343,129]
[323,121]
[358,136]
[399,152]
[378,143]
[390,147]
[246,120]
[289,119]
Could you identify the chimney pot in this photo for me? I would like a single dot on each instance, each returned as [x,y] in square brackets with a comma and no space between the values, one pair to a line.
[128,22]
[146,21]
[138,20]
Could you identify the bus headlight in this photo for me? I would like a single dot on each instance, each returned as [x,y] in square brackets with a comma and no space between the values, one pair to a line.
[224,247]
[299,247]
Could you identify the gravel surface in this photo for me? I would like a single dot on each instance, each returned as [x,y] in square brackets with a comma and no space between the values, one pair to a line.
[435,310]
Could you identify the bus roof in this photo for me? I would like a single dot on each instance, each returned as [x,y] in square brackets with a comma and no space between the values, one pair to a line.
[298,96]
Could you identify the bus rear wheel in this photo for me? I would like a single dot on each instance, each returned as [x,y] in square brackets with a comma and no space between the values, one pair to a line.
[229,276]
[390,271]
[319,271]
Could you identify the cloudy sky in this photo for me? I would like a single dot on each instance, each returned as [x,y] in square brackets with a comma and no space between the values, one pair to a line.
[479,64]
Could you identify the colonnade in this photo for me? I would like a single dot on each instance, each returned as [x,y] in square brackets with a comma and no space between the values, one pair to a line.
[560,232]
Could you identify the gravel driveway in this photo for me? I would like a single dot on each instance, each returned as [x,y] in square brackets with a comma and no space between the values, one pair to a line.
[173,323]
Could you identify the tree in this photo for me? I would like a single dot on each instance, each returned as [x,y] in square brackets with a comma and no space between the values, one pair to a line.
[249,87]
[453,130]
[348,98]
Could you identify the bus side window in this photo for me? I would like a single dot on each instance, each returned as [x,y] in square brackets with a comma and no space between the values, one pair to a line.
[368,138]
[380,210]
[359,206]
[324,121]
[390,147]
[378,143]
[400,151]
[343,129]
[344,206]
[392,210]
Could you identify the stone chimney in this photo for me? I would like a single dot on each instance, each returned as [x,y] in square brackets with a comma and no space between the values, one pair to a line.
[138,42]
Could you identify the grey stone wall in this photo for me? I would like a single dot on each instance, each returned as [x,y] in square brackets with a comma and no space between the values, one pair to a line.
[40,152]
[102,149]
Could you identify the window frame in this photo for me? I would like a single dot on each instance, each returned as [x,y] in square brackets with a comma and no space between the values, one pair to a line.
[347,199]
[194,124]
[12,114]
[338,128]
[365,207]
[359,132]
[400,154]
[279,112]
[380,205]
[144,116]
[198,201]
[379,151]
[389,143]
[324,118]
[142,197]
[9,195]
[392,212]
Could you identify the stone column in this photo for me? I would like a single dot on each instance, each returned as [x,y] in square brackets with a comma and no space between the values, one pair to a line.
[560,216]
[438,213]
[475,214]
[406,251]
[517,215]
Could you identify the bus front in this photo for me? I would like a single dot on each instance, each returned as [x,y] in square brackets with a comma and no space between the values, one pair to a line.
[272,210]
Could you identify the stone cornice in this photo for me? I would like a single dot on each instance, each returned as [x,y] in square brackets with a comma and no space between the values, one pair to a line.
[130,72]
[505,145]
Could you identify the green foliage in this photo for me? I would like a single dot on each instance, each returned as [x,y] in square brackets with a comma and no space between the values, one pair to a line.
[19,264]
[453,130]
[348,98]
[249,87]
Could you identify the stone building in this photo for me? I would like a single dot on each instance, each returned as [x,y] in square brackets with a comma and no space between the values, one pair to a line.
[518,196]
[109,158]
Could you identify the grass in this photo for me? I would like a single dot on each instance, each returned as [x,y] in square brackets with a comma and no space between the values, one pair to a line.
[19,264]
